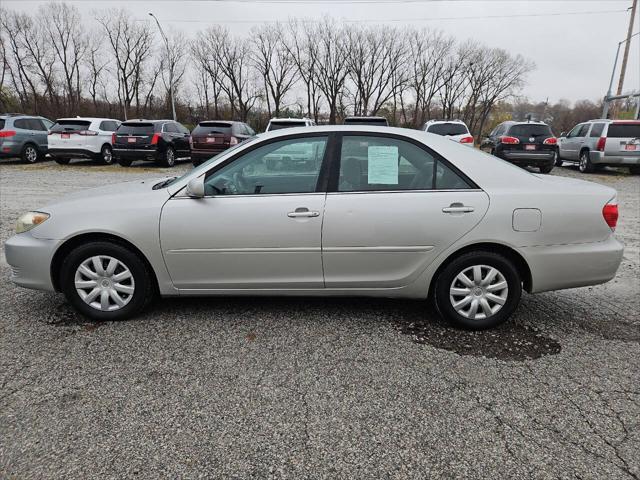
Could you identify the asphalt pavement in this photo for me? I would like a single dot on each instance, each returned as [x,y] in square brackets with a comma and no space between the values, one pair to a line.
[316,388]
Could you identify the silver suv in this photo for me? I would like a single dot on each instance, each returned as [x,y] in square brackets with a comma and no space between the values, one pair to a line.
[23,136]
[597,143]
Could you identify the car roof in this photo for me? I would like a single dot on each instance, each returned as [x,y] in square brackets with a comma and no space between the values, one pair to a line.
[219,121]
[88,118]
[446,121]
[365,117]
[143,120]
[290,120]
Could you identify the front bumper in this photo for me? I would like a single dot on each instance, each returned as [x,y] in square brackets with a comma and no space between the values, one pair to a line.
[30,260]
[603,158]
[72,153]
[556,267]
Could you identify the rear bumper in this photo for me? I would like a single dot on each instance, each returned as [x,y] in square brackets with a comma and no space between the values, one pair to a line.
[30,260]
[200,156]
[569,266]
[72,153]
[135,154]
[607,159]
[528,158]
[9,149]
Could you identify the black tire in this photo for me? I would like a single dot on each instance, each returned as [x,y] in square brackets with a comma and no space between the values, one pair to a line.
[547,168]
[634,170]
[143,286]
[168,160]
[196,163]
[458,265]
[124,162]
[61,160]
[30,153]
[558,161]
[584,164]
[106,155]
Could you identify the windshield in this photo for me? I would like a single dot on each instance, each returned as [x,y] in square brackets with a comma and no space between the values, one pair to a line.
[206,165]
[135,129]
[624,130]
[281,125]
[70,126]
[205,128]
[530,130]
[445,129]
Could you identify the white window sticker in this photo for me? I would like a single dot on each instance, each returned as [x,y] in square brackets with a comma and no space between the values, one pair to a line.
[383,165]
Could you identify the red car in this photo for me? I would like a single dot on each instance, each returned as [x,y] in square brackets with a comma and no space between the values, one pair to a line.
[211,137]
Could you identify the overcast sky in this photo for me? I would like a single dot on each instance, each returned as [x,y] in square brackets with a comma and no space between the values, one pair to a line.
[573,48]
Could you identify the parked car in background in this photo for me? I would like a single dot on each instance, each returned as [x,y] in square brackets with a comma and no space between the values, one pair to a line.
[455,130]
[598,143]
[529,143]
[160,141]
[23,136]
[82,137]
[210,137]
[378,212]
[278,123]
[376,121]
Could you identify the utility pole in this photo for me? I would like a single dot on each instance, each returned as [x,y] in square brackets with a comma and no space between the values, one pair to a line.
[166,41]
[625,56]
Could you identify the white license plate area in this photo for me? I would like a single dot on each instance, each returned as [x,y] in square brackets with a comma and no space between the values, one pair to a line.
[211,139]
[131,140]
[631,147]
[65,135]
[529,147]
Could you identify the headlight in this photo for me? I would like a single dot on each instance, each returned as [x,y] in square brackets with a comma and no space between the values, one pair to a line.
[30,220]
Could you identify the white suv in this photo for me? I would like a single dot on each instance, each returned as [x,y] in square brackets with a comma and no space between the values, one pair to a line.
[82,137]
[455,130]
[278,123]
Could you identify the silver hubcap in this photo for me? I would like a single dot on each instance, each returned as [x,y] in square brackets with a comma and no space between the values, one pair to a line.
[583,162]
[31,154]
[104,283]
[478,292]
[106,155]
[170,157]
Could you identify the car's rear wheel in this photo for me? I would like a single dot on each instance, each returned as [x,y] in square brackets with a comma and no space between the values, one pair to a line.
[62,160]
[29,153]
[125,162]
[106,281]
[169,158]
[547,168]
[585,165]
[106,155]
[478,290]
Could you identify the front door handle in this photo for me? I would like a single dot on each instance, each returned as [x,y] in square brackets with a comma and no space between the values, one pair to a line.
[457,207]
[303,212]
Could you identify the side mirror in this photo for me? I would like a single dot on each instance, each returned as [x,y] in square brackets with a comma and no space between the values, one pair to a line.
[195,187]
[563,134]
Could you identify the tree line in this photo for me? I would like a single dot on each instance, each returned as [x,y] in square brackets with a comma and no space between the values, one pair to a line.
[55,64]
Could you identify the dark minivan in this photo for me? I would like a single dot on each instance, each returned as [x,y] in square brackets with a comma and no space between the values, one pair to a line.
[524,144]
[211,137]
[161,141]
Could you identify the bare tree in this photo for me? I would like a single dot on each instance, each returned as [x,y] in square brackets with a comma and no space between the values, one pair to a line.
[96,66]
[300,44]
[172,65]
[130,44]
[276,65]
[205,50]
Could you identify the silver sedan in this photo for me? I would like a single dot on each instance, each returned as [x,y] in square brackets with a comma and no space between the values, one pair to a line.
[352,211]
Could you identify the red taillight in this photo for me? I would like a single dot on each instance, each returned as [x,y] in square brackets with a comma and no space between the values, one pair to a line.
[7,133]
[610,214]
[87,133]
[550,141]
[113,138]
[233,141]
[467,139]
[509,140]
[601,143]
[155,139]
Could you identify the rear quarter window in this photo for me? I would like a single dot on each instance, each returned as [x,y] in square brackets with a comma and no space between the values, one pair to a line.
[596,130]
[624,130]
[1,123]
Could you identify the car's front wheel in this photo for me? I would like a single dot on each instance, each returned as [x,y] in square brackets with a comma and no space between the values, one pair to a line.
[106,281]
[478,290]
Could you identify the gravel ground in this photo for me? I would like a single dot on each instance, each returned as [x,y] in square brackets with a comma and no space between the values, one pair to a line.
[316,388]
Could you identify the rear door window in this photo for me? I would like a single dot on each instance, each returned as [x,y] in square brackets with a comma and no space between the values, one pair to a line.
[448,129]
[36,124]
[583,131]
[624,130]
[596,129]
[1,123]
[21,123]
[574,131]
[135,129]
[170,128]
[70,126]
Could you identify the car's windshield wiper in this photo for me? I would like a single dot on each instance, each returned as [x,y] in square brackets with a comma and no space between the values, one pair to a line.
[164,183]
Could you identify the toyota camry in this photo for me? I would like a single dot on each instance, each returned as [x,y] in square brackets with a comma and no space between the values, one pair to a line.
[336,210]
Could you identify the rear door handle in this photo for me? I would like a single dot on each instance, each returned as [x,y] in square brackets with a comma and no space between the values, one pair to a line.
[303,212]
[457,208]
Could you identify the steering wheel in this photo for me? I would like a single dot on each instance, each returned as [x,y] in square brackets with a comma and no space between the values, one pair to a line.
[240,183]
[224,186]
